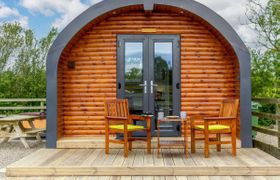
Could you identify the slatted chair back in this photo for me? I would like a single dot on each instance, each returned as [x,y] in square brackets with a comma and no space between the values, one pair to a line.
[117,108]
[229,108]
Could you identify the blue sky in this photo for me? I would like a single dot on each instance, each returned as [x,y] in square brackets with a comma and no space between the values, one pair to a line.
[36,21]
[41,15]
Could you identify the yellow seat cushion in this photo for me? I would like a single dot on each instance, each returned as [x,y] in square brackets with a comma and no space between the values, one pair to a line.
[129,127]
[213,127]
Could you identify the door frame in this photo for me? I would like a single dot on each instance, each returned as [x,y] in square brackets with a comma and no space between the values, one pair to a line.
[148,43]
[121,39]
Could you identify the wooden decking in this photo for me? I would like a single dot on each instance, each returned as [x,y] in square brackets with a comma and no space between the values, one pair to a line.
[172,162]
[149,178]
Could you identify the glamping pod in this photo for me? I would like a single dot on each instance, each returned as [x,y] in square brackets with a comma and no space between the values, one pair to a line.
[167,56]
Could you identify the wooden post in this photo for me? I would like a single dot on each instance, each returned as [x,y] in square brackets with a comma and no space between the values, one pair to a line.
[278,121]
[42,105]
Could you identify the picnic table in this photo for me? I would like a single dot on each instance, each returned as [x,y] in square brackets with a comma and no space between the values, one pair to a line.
[11,127]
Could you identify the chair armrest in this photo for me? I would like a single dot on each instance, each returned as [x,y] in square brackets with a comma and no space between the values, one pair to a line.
[194,118]
[139,117]
[116,118]
[142,118]
[218,118]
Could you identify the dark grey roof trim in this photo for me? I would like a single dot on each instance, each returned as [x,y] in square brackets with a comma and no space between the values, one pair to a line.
[108,5]
[148,5]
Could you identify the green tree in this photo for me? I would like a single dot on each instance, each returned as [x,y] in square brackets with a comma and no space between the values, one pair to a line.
[264,77]
[266,57]
[162,70]
[23,62]
[134,74]
[10,41]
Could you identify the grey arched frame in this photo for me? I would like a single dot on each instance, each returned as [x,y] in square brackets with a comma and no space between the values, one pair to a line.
[189,5]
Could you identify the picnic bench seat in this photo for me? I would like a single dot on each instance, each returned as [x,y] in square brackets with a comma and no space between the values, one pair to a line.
[11,127]
[34,131]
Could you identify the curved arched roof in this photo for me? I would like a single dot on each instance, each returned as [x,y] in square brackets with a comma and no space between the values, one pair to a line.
[189,5]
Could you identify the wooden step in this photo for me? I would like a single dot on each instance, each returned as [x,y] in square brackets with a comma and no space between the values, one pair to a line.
[171,162]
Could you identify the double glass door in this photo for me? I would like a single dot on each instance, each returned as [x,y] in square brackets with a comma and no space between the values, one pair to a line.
[149,77]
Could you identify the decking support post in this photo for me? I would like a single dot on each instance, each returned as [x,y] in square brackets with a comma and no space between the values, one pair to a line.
[42,106]
[278,121]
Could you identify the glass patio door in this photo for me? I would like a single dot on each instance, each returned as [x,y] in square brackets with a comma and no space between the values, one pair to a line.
[149,77]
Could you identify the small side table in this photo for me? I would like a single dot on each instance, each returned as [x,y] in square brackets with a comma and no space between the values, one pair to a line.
[168,143]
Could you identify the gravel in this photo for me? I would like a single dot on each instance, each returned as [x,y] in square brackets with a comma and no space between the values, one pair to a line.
[13,151]
[2,173]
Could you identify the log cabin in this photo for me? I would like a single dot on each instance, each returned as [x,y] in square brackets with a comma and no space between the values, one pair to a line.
[168,56]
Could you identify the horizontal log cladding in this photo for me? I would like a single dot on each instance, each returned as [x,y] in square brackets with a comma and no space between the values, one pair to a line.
[209,67]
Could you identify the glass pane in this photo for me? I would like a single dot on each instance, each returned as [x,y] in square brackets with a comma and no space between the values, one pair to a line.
[163,77]
[134,76]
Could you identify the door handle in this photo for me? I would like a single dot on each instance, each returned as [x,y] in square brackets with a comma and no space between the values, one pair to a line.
[145,86]
[178,86]
[152,86]
[119,85]
[178,127]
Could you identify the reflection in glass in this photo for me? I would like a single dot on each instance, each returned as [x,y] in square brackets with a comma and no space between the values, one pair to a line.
[163,77]
[134,75]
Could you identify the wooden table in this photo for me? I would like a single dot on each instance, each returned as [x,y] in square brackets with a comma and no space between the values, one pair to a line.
[168,143]
[11,127]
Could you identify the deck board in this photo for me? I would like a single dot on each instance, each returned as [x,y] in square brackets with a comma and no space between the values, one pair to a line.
[149,178]
[158,160]
[92,157]
[95,162]
[149,160]
[139,158]
[128,162]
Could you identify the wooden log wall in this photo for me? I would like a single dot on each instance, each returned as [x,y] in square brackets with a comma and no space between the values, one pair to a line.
[209,67]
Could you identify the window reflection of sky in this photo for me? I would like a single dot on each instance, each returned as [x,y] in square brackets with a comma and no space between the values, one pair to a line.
[164,49]
[133,55]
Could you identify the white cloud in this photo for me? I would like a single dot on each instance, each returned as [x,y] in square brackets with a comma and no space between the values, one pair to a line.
[68,13]
[65,10]
[94,1]
[24,21]
[6,11]
[8,14]
[247,34]
[234,12]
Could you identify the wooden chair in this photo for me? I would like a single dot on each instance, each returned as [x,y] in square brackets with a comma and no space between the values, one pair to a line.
[224,124]
[118,120]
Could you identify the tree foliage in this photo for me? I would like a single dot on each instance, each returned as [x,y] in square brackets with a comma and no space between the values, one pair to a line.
[23,62]
[266,57]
